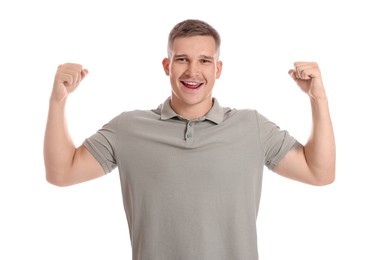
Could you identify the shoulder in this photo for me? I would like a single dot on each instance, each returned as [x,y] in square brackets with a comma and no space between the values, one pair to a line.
[129,118]
[137,119]
[139,114]
[240,114]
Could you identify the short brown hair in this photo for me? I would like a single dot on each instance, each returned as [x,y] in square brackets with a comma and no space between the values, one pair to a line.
[193,27]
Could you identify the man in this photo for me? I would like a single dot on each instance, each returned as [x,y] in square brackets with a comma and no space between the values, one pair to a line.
[191,170]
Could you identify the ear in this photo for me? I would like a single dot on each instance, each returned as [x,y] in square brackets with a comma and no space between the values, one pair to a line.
[219,68]
[166,66]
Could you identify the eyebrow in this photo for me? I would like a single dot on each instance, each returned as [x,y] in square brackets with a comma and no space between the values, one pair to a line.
[207,57]
[201,56]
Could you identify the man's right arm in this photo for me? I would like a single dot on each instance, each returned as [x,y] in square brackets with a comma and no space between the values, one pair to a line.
[66,164]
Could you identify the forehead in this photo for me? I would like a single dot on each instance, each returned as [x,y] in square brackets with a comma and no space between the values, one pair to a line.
[200,45]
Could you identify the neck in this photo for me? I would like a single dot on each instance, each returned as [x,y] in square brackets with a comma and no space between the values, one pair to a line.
[191,111]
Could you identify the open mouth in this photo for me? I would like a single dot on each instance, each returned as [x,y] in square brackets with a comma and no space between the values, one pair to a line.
[191,84]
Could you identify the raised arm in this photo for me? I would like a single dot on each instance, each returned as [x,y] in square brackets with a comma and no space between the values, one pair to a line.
[313,163]
[64,163]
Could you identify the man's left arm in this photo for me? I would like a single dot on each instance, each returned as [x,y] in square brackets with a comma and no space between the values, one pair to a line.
[315,162]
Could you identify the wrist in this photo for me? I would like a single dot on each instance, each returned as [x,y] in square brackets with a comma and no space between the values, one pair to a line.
[55,101]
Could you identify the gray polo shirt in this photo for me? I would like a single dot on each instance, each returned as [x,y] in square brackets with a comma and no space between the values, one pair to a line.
[191,189]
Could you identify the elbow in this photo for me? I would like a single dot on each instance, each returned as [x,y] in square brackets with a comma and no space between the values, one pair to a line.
[326,178]
[55,182]
[325,182]
[56,179]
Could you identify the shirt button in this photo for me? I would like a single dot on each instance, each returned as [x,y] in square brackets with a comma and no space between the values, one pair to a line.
[189,135]
[190,124]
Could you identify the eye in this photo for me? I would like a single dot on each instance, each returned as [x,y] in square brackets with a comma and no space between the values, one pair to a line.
[181,59]
[205,61]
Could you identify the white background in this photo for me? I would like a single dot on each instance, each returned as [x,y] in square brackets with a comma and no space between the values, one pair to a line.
[122,44]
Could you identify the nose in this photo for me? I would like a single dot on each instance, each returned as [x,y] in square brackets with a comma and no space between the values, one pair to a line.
[193,69]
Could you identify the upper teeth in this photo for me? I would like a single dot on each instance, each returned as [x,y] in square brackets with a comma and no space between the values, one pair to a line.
[191,83]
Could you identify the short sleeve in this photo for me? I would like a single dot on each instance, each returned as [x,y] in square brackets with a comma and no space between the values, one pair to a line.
[275,141]
[102,145]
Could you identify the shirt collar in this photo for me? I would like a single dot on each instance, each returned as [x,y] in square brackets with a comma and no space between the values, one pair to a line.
[215,114]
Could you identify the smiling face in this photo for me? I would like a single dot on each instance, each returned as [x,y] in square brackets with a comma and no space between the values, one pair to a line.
[193,67]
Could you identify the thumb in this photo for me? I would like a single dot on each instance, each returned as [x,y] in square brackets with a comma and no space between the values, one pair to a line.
[84,73]
[292,73]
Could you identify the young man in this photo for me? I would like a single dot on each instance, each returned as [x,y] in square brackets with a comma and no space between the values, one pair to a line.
[191,170]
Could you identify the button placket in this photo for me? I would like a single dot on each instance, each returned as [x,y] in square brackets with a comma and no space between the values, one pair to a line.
[189,132]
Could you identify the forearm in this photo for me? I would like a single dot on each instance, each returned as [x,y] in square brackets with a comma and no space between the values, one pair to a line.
[59,148]
[320,150]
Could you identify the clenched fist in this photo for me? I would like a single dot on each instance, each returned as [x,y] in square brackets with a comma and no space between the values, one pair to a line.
[308,77]
[68,77]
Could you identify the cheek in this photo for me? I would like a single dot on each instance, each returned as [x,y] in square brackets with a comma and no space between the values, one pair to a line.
[176,72]
[173,70]
[174,75]
[212,73]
